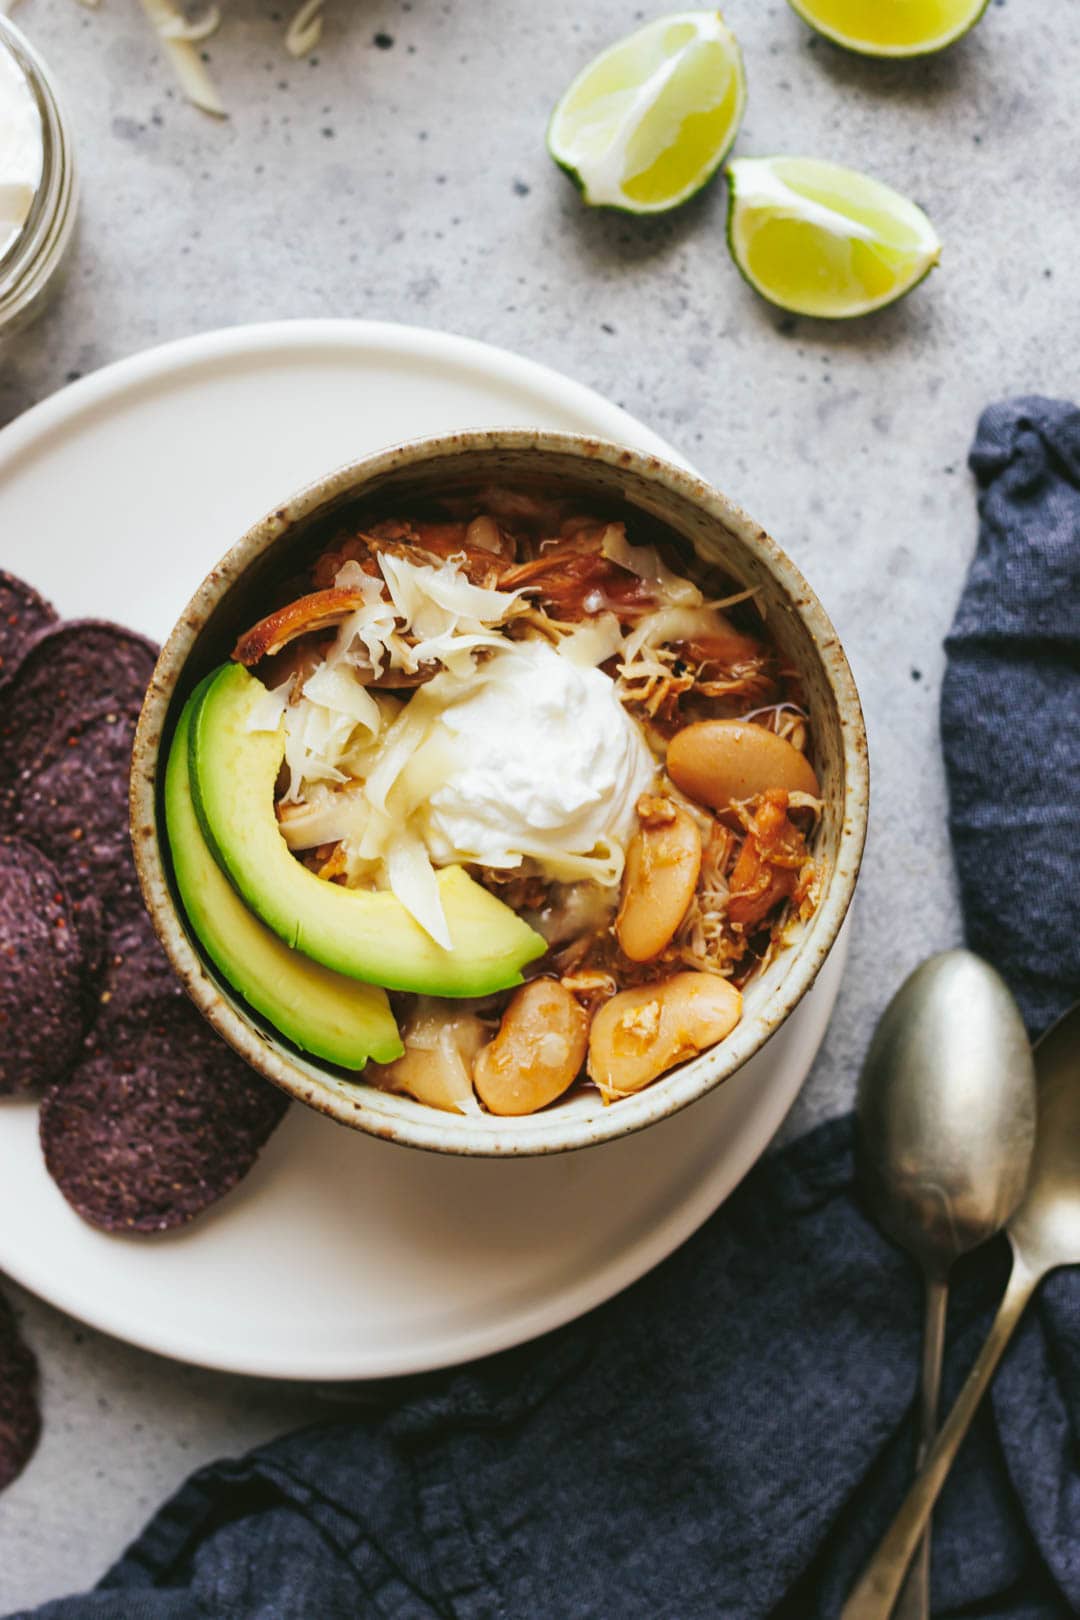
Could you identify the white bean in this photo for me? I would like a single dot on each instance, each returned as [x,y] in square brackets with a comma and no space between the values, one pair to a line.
[641,1033]
[537,1052]
[717,761]
[662,865]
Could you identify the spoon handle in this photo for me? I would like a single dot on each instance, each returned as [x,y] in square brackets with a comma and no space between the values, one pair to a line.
[914,1600]
[876,1590]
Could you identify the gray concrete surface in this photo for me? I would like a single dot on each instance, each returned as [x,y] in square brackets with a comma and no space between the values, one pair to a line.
[408,181]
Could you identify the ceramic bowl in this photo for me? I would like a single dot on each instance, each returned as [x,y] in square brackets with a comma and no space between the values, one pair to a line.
[236,593]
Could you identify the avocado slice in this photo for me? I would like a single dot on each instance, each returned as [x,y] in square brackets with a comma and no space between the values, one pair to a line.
[324,1013]
[359,932]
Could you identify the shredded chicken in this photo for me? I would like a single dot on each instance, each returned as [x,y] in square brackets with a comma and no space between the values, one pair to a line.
[321,610]
[179,36]
[521,891]
[578,582]
[424,542]
[655,810]
[654,681]
[770,863]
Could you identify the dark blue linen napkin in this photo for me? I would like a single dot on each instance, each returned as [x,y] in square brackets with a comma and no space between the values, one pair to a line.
[1010,706]
[729,1438]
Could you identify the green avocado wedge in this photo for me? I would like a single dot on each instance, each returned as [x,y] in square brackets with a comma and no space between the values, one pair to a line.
[334,1018]
[361,933]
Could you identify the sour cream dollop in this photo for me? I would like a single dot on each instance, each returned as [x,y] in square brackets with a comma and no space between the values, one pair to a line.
[21,150]
[547,764]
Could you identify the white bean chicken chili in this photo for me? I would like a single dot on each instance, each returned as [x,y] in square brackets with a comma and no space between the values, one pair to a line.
[503,701]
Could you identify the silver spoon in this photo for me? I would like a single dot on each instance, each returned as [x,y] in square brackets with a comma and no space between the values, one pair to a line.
[946,1116]
[1044,1234]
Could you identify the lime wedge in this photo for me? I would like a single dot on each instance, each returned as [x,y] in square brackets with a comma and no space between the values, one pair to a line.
[891,27]
[650,120]
[819,239]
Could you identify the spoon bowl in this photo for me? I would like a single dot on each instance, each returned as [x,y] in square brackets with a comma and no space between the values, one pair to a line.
[946,1110]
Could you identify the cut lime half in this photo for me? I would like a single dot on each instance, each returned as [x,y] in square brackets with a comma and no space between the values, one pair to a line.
[650,120]
[891,27]
[818,239]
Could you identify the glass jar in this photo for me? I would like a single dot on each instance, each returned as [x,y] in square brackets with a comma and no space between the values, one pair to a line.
[29,265]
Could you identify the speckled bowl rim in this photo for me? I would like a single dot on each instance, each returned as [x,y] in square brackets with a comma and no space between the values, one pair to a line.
[401,1119]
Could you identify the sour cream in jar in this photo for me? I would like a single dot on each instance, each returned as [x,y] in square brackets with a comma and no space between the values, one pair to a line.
[38,183]
[21,149]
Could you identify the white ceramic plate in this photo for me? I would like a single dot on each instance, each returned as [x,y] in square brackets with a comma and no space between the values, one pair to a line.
[340,1256]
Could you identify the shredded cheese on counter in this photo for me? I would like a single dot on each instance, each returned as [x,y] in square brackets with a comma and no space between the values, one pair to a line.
[179,36]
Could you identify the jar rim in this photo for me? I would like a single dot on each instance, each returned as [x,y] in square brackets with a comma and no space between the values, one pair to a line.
[39,246]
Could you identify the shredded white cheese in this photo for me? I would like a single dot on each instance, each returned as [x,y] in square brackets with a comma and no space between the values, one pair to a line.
[305,30]
[647,564]
[179,35]
[672,625]
[199,28]
[592,642]
[191,70]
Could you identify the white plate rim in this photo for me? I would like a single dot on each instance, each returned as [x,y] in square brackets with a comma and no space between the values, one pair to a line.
[384,337]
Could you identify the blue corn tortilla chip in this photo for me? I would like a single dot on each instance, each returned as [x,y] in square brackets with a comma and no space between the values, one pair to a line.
[135,972]
[41,971]
[20,1415]
[67,674]
[152,1118]
[158,1122]
[73,802]
[22,614]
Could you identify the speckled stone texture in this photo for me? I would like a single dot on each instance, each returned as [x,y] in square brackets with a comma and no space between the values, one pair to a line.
[401,175]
